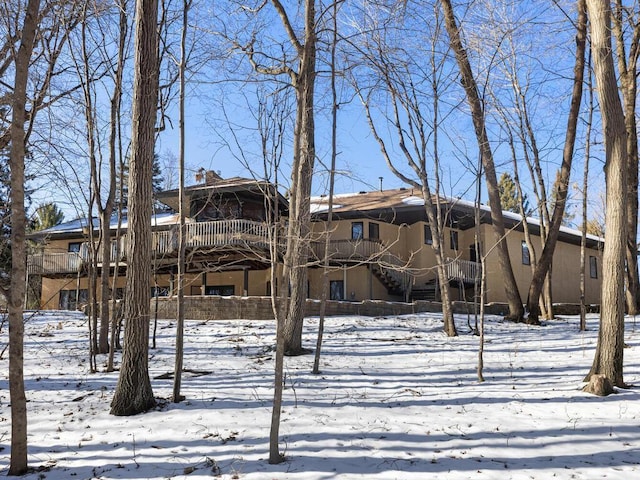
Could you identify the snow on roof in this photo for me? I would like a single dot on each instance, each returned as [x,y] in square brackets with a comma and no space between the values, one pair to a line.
[413,200]
[79,224]
[322,207]
[518,218]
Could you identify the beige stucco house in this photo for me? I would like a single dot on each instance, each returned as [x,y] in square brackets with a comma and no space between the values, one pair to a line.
[379,248]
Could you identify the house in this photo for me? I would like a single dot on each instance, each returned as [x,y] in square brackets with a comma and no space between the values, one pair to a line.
[379,248]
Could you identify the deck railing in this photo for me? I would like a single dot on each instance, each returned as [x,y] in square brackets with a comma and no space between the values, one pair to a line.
[463,270]
[220,233]
[227,232]
[42,263]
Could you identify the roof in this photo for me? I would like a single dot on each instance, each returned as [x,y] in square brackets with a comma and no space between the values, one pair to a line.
[401,205]
[406,205]
[250,186]
[75,228]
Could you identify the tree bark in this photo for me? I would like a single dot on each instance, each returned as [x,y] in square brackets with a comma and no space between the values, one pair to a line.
[562,185]
[297,254]
[18,465]
[177,374]
[628,87]
[516,309]
[608,358]
[133,393]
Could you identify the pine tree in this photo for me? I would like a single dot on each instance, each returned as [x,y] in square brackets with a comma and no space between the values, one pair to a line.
[47,215]
[509,195]
[122,180]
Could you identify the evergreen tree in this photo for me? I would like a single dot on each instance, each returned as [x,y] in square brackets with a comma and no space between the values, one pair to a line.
[122,180]
[509,195]
[47,215]
[5,219]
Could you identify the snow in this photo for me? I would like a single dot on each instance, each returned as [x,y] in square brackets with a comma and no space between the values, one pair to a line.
[396,399]
[79,224]
[413,200]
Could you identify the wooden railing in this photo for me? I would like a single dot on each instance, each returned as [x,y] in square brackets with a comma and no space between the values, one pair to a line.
[366,251]
[85,254]
[463,270]
[221,233]
[42,263]
[227,232]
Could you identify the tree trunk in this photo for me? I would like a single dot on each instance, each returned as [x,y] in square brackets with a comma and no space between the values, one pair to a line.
[297,254]
[133,393]
[105,224]
[608,359]
[115,153]
[562,185]
[177,373]
[516,309]
[585,186]
[18,465]
[436,225]
[628,87]
[332,175]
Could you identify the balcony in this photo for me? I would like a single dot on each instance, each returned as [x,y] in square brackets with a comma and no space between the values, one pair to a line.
[54,263]
[242,234]
[462,270]
[368,251]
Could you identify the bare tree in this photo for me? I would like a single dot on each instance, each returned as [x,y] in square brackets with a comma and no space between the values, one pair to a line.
[415,119]
[608,360]
[177,378]
[16,291]
[332,174]
[133,393]
[585,183]
[562,183]
[516,309]
[302,78]
[627,66]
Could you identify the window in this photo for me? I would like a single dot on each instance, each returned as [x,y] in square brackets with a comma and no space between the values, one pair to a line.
[74,247]
[453,239]
[72,299]
[428,237]
[336,290]
[593,267]
[526,258]
[221,290]
[374,231]
[357,231]
[159,291]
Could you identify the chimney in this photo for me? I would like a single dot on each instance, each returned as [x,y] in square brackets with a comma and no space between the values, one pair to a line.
[200,174]
[212,177]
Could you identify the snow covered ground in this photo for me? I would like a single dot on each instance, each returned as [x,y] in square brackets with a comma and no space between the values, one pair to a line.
[396,400]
